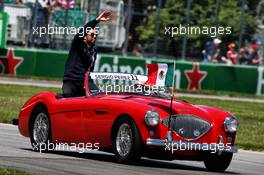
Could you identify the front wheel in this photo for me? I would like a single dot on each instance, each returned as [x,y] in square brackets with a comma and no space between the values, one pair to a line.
[217,163]
[126,141]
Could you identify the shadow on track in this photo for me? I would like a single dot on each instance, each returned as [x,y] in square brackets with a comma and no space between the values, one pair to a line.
[108,157]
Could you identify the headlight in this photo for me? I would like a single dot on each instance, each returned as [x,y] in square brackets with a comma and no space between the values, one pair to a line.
[231,124]
[152,118]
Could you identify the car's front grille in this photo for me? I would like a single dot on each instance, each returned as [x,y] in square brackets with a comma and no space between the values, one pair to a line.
[188,126]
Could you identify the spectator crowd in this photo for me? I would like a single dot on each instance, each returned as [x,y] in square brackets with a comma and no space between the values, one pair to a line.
[248,55]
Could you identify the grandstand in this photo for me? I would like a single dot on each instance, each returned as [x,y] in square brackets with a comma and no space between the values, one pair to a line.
[22,19]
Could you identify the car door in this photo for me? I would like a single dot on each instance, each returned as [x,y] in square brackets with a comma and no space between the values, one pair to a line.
[98,120]
[68,120]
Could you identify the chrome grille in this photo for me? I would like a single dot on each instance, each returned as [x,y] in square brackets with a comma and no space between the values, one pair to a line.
[188,126]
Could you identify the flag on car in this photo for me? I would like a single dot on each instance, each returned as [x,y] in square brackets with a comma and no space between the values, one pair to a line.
[160,74]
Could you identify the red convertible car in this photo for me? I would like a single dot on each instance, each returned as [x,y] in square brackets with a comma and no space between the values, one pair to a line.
[132,125]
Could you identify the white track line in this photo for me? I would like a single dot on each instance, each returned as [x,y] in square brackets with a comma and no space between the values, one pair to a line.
[214,97]
[56,84]
[25,82]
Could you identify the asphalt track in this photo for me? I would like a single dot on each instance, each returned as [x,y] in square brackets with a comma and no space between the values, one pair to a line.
[16,152]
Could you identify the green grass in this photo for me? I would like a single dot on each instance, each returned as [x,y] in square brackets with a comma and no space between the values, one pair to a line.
[31,77]
[12,98]
[220,93]
[251,118]
[250,115]
[205,92]
[8,171]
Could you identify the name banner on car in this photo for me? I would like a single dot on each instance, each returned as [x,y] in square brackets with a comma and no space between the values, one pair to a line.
[118,76]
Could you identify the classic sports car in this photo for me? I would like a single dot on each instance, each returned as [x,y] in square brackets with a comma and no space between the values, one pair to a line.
[132,125]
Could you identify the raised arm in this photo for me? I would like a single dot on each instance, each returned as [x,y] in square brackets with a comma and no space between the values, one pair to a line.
[104,16]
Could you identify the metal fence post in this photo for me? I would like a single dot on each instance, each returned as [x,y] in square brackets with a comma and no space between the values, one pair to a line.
[217,9]
[34,25]
[129,16]
[98,8]
[184,43]
[1,5]
[157,29]
[66,24]
[241,24]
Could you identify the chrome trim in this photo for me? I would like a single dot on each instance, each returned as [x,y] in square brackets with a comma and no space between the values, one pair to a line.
[220,141]
[169,136]
[191,145]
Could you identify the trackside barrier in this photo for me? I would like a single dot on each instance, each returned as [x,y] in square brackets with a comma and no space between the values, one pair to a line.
[189,75]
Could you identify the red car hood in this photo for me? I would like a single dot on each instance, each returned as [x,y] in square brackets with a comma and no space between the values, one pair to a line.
[179,107]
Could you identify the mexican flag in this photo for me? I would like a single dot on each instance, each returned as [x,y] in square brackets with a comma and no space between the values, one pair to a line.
[160,74]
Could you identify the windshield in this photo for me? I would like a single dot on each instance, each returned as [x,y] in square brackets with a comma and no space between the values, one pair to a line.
[120,83]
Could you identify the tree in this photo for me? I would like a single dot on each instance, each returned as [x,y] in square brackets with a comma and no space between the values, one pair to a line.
[202,14]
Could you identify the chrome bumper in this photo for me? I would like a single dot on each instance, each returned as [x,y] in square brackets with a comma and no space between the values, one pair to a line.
[191,146]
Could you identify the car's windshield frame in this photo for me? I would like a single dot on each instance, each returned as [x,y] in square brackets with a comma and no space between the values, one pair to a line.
[136,83]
